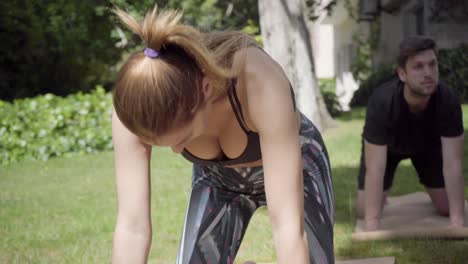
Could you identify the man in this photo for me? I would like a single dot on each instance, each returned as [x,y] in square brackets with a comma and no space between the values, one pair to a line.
[415,117]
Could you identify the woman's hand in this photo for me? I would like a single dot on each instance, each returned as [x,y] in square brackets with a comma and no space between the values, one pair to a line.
[272,114]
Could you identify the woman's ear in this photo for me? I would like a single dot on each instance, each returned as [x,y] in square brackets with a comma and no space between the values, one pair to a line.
[207,89]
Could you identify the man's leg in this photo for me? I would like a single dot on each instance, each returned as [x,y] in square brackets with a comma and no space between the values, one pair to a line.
[429,167]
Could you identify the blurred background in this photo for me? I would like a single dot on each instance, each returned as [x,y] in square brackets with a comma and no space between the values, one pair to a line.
[58,61]
[66,48]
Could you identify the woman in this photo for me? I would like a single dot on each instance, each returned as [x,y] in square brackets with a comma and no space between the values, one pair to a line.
[226,106]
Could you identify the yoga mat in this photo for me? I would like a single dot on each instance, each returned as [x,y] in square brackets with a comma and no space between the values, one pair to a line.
[384,260]
[411,216]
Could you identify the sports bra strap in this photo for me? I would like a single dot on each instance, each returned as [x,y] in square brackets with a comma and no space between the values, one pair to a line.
[236,106]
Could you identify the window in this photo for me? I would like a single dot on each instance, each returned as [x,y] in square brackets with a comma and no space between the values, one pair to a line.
[419,19]
[414,20]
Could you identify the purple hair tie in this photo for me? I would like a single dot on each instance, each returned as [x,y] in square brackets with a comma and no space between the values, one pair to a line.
[151,53]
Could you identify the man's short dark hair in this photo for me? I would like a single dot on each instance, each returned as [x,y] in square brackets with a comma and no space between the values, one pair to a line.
[412,46]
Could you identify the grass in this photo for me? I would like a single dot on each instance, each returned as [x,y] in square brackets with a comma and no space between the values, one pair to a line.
[63,210]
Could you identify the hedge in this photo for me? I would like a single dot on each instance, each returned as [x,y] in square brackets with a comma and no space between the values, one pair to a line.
[49,126]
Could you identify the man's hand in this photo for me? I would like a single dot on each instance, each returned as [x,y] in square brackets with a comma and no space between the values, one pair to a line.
[372,224]
[457,222]
[452,153]
[376,161]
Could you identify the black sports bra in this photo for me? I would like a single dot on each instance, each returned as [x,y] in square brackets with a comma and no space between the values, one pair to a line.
[251,152]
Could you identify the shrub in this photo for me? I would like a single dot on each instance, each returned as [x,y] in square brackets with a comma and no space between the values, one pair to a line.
[366,88]
[453,67]
[50,126]
[58,47]
[327,88]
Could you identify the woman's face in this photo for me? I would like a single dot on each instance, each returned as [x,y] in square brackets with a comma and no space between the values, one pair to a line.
[179,137]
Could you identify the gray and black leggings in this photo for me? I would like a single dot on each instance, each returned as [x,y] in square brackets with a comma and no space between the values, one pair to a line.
[223,201]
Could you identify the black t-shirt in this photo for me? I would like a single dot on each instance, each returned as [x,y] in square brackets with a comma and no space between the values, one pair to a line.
[389,121]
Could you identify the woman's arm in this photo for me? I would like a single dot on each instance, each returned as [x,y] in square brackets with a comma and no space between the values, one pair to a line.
[132,236]
[271,109]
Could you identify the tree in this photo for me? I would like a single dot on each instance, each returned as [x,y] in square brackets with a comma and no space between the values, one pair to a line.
[67,46]
[59,47]
[286,37]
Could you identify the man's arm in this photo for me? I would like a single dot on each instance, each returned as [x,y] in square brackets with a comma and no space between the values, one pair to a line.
[452,156]
[375,161]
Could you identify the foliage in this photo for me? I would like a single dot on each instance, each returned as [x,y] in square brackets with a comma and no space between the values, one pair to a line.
[365,45]
[206,15]
[449,10]
[361,62]
[366,87]
[64,210]
[453,67]
[328,88]
[67,46]
[353,11]
[253,29]
[59,47]
[364,48]
[49,126]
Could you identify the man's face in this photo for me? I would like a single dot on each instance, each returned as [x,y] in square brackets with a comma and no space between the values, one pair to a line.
[421,73]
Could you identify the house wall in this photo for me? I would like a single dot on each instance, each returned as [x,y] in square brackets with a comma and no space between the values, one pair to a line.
[340,27]
[343,50]
[412,18]
[391,35]
[324,60]
[449,34]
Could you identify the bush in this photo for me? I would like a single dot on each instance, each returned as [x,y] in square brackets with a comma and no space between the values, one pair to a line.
[59,47]
[453,67]
[50,126]
[327,88]
[62,47]
[381,75]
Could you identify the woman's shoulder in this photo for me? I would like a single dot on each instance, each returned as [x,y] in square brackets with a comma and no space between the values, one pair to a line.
[257,69]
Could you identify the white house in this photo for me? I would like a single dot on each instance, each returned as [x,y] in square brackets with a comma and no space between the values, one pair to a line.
[334,50]
[444,21]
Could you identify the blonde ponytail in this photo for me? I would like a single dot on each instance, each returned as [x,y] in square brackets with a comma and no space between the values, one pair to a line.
[152,95]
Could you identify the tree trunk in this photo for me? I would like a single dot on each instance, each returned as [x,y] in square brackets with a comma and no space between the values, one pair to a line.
[286,38]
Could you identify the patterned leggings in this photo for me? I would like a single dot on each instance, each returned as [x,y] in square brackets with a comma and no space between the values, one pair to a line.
[224,199]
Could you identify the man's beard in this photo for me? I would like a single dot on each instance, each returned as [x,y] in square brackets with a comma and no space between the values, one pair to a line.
[420,91]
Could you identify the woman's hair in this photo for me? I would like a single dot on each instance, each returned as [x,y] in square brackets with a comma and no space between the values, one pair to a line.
[153,95]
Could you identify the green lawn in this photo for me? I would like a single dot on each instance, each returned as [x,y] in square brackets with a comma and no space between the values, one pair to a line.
[63,210]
